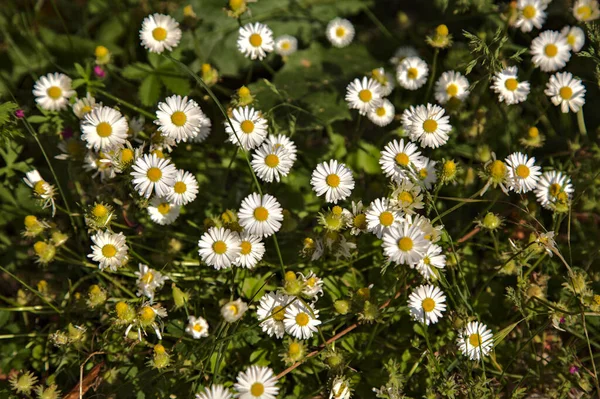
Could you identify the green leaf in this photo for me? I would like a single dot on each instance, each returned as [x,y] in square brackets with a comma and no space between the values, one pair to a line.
[37,119]
[179,86]
[136,71]
[149,90]
[500,335]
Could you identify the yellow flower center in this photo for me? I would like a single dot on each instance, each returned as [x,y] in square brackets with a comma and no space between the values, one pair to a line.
[104,129]
[337,210]
[255,39]
[147,314]
[30,221]
[584,12]
[423,173]
[197,327]
[233,309]
[380,111]
[159,349]
[236,4]
[294,349]
[430,126]
[386,218]
[365,95]
[340,32]
[178,118]
[54,92]
[219,247]
[566,92]
[261,214]
[428,304]
[278,313]
[99,211]
[101,51]
[426,259]
[554,189]
[332,180]
[121,308]
[402,159]
[257,389]
[272,160]
[498,170]
[311,281]
[571,40]
[360,221]
[158,153]
[154,174]
[302,319]
[163,208]
[244,91]
[533,132]
[159,34]
[511,84]
[40,187]
[442,30]
[475,339]
[452,90]
[529,11]
[109,250]
[246,247]
[406,196]
[180,187]
[247,127]
[285,45]
[85,109]
[40,247]
[551,50]
[405,244]
[147,278]
[522,171]
[412,73]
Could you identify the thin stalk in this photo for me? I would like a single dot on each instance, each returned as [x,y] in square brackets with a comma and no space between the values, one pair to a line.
[581,122]
[126,104]
[432,76]
[36,292]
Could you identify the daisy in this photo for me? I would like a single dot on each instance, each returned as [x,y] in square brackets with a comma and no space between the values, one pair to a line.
[83,106]
[365,95]
[432,260]
[412,73]
[179,118]
[508,87]
[162,211]
[406,197]
[426,304]
[575,37]
[550,51]
[551,186]
[234,310]
[204,132]
[160,32]
[256,382]
[523,175]
[148,316]
[100,164]
[566,91]
[332,179]
[104,129]
[313,285]
[384,114]
[260,215]
[357,219]
[197,327]
[586,10]
[109,250]
[381,217]
[432,233]
[301,320]
[426,173]
[385,79]
[215,392]
[286,45]
[184,189]
[149,280]
[476,340]
[450,85]
[151,173]
[252,251]
[531,14]
[249,128]
[271,313]
[41,189]
[405,118]
[340,389]
[340,32]
[283,141]
[52,91]
[429,126]
[402,53]
[255,40]
[271,162]
[398,160]
[219,247]
[404,244]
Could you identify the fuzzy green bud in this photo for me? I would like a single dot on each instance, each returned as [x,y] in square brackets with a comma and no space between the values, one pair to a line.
[370,313]
[59,238]
[161,358]
[491,221]
[179,297]
[96,296]
[50,392]
[342,306]
[334,360]
[76,333]
[125,313]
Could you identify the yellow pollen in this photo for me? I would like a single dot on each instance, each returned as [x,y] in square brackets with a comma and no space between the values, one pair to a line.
[40,247]
[109,250]
[442,30]
[302,319]
[405,244]
[365,95]
[147,314]
[340,32]
[428,304]
[402,159]
[54,92]
[406,196]
[104,129]
[511,84]
[522,171]
[278,313]
[247,127]
[163,208]
[337,210]
[147,278]
[551,50]
[255,39]
[272,160]
[159,34]
[178,118]
[121,308]
[261,214]
[154,174]
[529,11]
[360,221]
[475,339]
[294,349]
[430,126]
[332,180]
[584,12]
[380,111]
[412,73]
[99,211]
[257,389]
[426,259]
[498,170]
[180,187]
[246,247]
[197,327]
[243,91]
[452,90]
[126,155]
[554,189]
[219,247]
[386,218]
[533,132]
[566,92]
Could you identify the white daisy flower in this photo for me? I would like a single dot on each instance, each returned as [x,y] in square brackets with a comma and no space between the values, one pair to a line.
[151,173]
[332,179]
[109,250]
[219,247]
[256,382]
[340,388]
[508,87]
[162,211]
[364,96]
[432,261]
[476,340]
[406,197]
[313,285]
[104,129]
[252,251]
[426,173]
[286,45]
[405,118]
[234,310]
[430,126]
[550,187]
[271,313]
[160,32]
[426,304]
[204,132]
[550,51]
[179,118]
[197,327]
[255,41]
[52,91]
[566,91]
[450,85]
[271,162]
[260,216]
[399,160]
[531,14]
[404,244]
[84,105]
[340,32]
[41,189]
[586,10]
[215,392]
[184,189]
[575,37]
[99,163]
[384,114]
[148,281]
[249,126]
[357,219]
[301,320]
[523,175]
[385,79]
[148,316]
[381,217]
[432,233]
[412,73]
[402,53]
[285,142]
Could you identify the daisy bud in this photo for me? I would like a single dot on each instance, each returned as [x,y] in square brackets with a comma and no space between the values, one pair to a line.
[483,153]
[290,276]
[50,392]
[99,216]
[340,388]
[441,38]
[59,238]
[76,333]
[209,74]
[96,296]
[23,383]
[42,287]
[44,251]
[294,352]
[334,360]
[125,313]
[370,313]
[234,310]
[449,170]
[33,226]
[188,12]
[364,293]
[161,358]
[342,306]
[237,8]
[442,30]
[59,338]
[102,55]
[179,297]
[491,221]
[293,286]
[244,96]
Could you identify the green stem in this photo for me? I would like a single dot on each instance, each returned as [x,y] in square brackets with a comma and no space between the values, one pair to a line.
[432,75]
[126,104]
[36,292]
[581,122]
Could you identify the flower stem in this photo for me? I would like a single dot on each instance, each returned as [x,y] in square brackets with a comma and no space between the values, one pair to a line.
[581,122]
[126,104]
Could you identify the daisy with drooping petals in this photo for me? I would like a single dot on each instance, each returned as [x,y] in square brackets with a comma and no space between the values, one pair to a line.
[402,53]
[398,160]
[313,285]
[566,91]
[109,250]
[271,162]
[404,244]
[104,129]
[508,87]
[405,118]
[286,45]
[184,189]
[197,327]
[523,175]
[430,126]
[385,79]
[162,211]
[381,217]
[431,262]
[406,197]
[84,105]
[301,320]
[204,132]
[151,173]
[412,73]
[575,37]
[179,118]
[219,247]
[260,215]
[283,141]
[364,96]
[160,32]
[41,189]
[384,114]
[476,340]
[52,91]
[426,304]
[234,310]
[215,392]
[451,85]
[332,179]
[551,187]
[149,280]
[432,233]
[357,219]
[249,128]
[531,14]
[271,312]
[586,10]
[255,40]
[252,251]
[256,382]
[426,173]
[550,51]
[340,32]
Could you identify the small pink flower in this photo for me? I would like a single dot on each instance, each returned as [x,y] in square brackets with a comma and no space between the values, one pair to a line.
[562,320]
[99,71]
[574,369]
[20,113]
